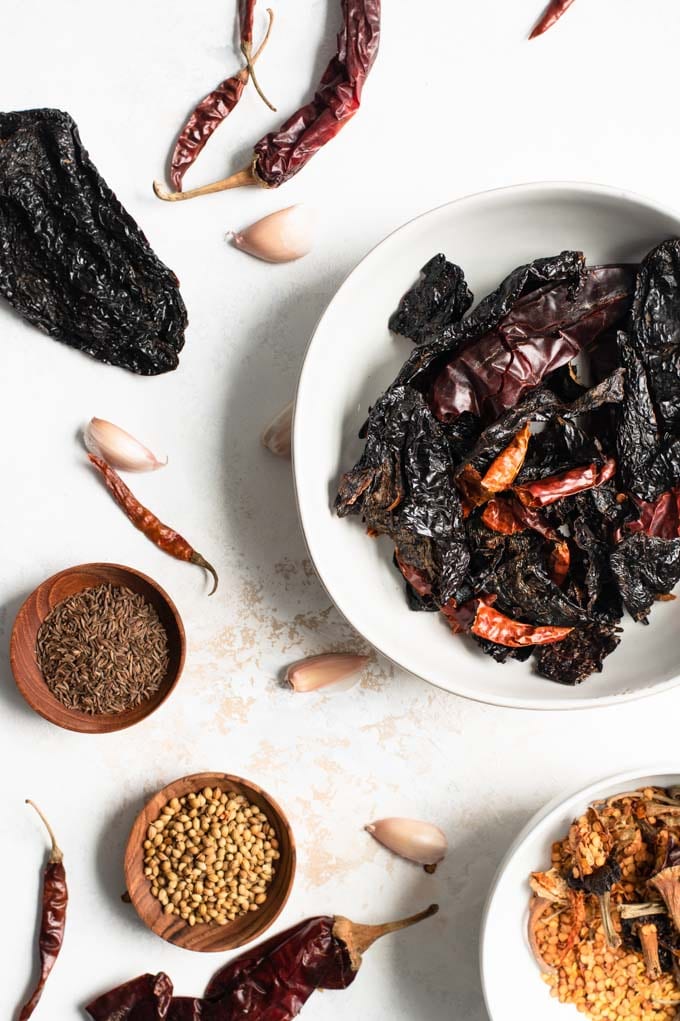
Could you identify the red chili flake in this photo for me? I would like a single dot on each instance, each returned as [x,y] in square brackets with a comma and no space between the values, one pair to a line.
[660,517]
[507,515]
[416,578]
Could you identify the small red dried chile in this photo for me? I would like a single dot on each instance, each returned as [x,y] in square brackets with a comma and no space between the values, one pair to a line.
[479,617]
[543,492]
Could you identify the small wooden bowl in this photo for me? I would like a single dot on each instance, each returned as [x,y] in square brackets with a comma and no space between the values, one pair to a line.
[22,653]
[209,937]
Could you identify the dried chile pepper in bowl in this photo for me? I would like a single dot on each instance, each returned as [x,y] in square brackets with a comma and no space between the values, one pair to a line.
[529,539]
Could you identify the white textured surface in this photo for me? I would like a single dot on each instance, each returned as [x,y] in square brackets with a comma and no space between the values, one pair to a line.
[445,113]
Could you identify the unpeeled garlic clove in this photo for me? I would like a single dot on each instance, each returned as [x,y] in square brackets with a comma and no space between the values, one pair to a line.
[421,842]
[119,448]
[280,237]
[277,435]
[337,669]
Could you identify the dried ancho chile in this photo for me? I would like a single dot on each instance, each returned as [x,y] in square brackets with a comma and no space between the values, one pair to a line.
[72,260]
[532,540]
[269,982]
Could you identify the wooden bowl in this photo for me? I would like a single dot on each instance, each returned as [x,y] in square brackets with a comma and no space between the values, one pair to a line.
[210,937]
[27,674]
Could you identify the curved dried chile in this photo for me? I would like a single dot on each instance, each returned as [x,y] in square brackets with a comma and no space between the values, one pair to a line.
[543,331]
[214,108]
[281,154]
[483,620]
[555,487]
[476,489]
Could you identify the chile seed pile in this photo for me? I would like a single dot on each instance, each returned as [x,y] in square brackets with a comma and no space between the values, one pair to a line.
[604,919]
[210,856]
[532,541]
[103,650]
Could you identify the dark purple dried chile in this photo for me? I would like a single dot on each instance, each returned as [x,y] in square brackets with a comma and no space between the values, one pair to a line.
[439,298]
[543,330]
[72,260]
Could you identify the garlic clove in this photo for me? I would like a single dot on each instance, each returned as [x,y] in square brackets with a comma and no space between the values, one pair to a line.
[280,237]
[119,448]
[277,435]
[337,669]
[421,842]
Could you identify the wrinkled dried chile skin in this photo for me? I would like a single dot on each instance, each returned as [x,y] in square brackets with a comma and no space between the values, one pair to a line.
[403,487]
[281,154]
[270,982]
[577,656]
[72,261]
[441,297]
[542,331]
[644,567]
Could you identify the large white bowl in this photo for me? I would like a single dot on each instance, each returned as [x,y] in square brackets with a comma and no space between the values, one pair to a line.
[511,978]
[351,359]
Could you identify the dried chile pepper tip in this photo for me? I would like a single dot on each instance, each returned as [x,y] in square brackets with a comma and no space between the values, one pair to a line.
[358,938]
[196,558]
[56,854]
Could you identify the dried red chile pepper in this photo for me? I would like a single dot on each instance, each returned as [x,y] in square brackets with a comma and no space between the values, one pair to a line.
[482,619]
[53,918]
[218,104]
[270,982]
[281,154]
[552,14]
[160,535]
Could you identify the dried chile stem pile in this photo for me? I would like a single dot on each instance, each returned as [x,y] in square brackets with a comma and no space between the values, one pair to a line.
[533,541]
[604,920]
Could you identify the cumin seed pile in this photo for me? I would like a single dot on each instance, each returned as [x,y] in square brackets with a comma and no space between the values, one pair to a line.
[103,650]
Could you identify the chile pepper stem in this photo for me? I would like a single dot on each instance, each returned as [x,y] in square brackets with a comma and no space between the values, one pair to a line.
[196,558]
[242,178]
[56,854]
[247,51]
[358,938]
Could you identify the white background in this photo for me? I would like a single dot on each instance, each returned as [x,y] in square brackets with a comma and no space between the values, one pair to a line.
[458,102]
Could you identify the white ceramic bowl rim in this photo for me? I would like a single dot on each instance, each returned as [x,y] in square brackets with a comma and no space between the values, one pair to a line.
[540,187]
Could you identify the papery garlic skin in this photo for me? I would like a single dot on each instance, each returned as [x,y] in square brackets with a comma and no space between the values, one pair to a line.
[119,448]
[338,671]
[280,237]
[277,435]
[420,842]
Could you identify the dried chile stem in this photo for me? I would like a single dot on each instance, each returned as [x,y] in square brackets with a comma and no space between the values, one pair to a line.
[610,934]
[196,558]
[247,51]
[242,178]
[56,854]
[358,938]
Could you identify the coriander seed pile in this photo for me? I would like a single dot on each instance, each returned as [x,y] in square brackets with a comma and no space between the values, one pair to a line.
[209,856]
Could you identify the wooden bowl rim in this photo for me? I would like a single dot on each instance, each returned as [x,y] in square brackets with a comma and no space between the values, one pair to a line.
[103,723]
[195,782]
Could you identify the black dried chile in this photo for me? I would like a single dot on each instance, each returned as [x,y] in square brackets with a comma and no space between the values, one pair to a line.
[621,534]
[72,260]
